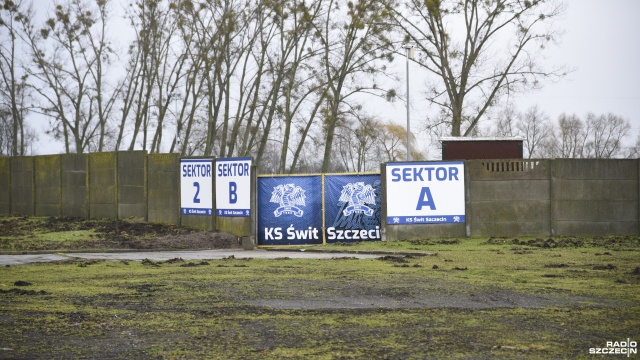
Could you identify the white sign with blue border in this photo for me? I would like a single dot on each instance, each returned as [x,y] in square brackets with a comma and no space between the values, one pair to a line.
[196,187]
[233,187]
[425,192]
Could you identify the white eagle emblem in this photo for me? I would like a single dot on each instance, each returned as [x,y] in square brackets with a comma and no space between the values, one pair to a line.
[357,195]
[289,196]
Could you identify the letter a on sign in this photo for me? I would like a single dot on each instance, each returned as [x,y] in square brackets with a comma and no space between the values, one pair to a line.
[425,199]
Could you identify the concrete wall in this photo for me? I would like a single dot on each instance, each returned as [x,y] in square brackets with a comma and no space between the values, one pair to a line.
[75,201]
[508,198]
[596,197]
[5,185]
[163,188]
[503,197]
[48,189]
[22,185]
[103,185]
[542,198]
[132,185]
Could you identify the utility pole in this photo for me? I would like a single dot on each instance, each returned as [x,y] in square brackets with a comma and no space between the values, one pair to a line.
[409,54]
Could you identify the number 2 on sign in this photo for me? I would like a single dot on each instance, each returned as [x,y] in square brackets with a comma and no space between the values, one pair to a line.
[196,199]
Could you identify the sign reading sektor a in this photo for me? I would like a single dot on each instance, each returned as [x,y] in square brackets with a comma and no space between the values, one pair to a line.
[425,192]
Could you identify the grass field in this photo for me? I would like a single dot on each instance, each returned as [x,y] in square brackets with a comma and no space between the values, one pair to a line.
[455,298]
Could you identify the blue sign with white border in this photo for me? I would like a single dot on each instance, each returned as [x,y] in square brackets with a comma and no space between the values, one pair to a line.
[425,192]
[196,187]
[233,187]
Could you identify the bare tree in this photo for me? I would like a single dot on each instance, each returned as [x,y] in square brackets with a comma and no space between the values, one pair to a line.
[356,144]
[633,152]
[13,80]
[478,51]
[600,136]
[605,135]
[534,125]
[69,54]
[354,45]
[154,68]
[391,144]
[505,124]
[570,137]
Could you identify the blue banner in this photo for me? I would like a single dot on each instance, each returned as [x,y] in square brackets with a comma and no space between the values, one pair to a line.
[352,208]
[290,210]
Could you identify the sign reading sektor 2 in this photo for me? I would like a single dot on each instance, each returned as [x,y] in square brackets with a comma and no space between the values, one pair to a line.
[233,187]
[425,192]
[196,184]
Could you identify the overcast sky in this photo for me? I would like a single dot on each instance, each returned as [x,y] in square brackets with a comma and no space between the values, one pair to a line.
[601,41]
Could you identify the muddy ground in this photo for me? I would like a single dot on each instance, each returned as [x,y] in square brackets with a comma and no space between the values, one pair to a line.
[108,235]
[502,298]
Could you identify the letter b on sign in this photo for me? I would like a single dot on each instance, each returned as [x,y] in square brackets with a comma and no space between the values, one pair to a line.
[233,192]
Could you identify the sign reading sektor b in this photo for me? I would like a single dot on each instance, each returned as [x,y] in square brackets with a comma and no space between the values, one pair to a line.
[233,186]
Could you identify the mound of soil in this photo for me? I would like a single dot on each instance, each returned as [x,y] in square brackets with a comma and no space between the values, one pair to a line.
[182,241]
[117,234]
[609,242]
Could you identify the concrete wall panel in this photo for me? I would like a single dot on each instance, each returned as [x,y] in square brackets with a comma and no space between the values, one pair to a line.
[163,188]
[595,196]
[509,211]
[132,184]
[74,185]
[524,228]
[103,185]
[48,185]
[509,218]
[515,190]
[596,189]
[508,169]
[239,226]
[22,185]
[5,185]
[596,210]
[596,169]
[508,198]
[602,228]
[198,222]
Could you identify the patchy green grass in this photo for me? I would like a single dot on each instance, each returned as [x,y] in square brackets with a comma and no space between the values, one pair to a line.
[506,304]
[436,298]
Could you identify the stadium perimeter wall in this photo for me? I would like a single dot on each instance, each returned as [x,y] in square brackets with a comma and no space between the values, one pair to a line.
[503,197]
[569,197]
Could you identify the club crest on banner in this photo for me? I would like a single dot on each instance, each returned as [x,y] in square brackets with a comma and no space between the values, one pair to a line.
[357,195]
[289,196]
